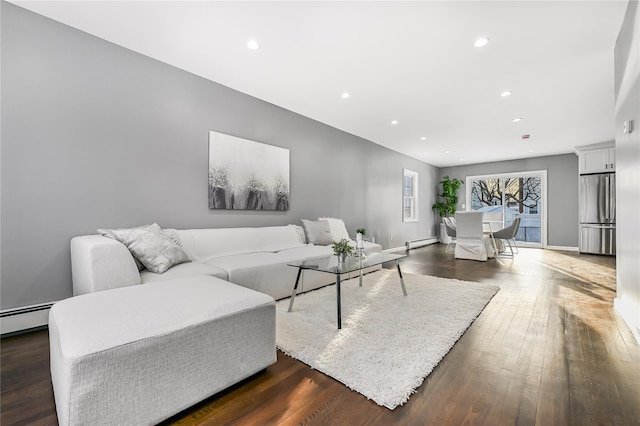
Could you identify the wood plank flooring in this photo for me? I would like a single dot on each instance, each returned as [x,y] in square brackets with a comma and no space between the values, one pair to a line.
[549,349]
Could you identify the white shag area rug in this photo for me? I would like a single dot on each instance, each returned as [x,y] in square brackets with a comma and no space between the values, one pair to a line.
[388,343]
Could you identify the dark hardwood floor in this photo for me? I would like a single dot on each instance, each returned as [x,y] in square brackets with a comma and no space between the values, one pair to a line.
[549,349]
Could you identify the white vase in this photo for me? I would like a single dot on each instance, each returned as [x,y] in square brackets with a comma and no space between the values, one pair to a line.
[444,237]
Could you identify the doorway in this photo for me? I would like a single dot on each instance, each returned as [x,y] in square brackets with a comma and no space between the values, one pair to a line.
[512,195]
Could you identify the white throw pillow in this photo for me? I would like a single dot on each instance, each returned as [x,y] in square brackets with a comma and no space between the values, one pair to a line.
[148,244]
[318,232]
[337,228]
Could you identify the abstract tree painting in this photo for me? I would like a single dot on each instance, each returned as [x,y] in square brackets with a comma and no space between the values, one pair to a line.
[247,175]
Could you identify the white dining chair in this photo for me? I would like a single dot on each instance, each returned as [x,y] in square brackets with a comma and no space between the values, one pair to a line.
[450,228]
[471,241]
[492,221]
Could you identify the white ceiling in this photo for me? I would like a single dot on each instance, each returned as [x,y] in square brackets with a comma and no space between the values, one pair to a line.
[408,61]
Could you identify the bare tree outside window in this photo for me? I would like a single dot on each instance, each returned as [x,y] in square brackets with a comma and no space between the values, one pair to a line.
[522,193]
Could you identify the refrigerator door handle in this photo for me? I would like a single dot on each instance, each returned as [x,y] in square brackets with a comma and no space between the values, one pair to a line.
[607,202]
[612,198]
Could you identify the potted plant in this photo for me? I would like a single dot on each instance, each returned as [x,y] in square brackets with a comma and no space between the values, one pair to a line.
[362,232]
[342,249]
[447,205]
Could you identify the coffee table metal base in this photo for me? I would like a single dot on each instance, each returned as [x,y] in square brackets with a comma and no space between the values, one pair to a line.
[338,296]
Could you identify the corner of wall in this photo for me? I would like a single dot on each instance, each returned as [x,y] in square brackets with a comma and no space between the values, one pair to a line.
[630,316]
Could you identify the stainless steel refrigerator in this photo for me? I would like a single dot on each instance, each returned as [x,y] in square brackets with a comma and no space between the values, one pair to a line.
[598,213]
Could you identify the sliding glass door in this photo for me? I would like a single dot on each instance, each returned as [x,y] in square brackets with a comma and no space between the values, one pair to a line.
[507,196]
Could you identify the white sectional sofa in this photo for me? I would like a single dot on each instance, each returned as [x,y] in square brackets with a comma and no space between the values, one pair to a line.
[255,258]
[125,353]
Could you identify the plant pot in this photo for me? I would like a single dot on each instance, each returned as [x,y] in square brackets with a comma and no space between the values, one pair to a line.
[444,237]
[341,258]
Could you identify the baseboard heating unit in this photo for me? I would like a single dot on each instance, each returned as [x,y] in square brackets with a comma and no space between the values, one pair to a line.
[25,318]
[410,245]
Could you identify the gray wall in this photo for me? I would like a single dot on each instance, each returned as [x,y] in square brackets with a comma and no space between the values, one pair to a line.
[94,135]
[627,72]
[562,190]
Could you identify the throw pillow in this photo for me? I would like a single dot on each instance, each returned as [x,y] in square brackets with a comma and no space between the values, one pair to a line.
[337,228]
[153,248]
[318,232]
[173,235]
[110,234]
[301,235]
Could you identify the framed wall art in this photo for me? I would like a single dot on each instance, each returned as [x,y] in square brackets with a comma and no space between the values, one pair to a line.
[247,175]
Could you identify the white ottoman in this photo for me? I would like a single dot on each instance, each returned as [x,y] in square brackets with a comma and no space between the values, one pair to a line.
[137,355]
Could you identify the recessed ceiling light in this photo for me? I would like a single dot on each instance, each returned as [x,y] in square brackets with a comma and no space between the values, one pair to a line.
[515,120]
[462,159]
[446,152]
[253,45]
[345,95]
[424,138]
[531,150]
[394,122]
[482,41]
[505,93]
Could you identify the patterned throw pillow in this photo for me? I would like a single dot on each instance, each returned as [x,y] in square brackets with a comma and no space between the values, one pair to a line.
[174,235]
[301,235]
[148,244]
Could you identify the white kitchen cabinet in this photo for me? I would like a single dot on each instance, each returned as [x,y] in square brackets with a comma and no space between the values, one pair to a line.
[597,160]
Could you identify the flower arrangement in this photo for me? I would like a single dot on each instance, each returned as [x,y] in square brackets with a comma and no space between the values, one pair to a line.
[342,247]
[361,231]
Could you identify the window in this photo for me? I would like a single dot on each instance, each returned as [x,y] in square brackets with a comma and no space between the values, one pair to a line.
[511,195]
[409,196]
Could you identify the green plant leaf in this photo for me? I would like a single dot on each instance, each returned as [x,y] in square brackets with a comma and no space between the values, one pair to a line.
[449,194]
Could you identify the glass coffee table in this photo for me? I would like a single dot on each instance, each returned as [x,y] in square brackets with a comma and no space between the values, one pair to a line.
[330,265]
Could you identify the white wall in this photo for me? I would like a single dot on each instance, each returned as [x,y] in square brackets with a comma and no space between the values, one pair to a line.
[627,72]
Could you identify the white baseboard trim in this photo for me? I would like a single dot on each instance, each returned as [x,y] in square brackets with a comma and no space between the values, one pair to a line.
[413,245]
[24,318]
[629,315]
[563,248]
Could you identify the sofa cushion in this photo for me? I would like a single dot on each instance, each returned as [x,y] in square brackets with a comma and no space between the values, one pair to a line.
[154,249]
[269,273]
[372,247]
[183,270]
[246,261]
[154,312]
[204,244]
[318,232]
[307,252]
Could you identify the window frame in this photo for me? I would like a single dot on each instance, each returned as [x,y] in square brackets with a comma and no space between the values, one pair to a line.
[413,198]
[542,174]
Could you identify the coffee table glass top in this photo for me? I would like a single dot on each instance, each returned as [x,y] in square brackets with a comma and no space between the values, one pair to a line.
[351,264]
